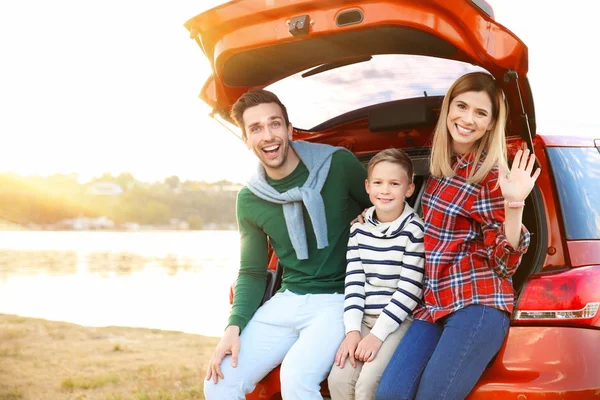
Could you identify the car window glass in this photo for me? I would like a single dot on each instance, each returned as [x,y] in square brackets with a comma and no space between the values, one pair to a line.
[577,174]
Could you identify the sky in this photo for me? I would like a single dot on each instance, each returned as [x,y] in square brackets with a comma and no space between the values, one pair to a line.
[89,86]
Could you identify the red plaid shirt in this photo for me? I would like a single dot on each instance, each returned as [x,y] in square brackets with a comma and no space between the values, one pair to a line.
[468,259]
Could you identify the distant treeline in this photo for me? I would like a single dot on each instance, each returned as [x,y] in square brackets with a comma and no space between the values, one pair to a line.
[49,200]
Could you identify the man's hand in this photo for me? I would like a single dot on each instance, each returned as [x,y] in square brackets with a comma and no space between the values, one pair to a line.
[347,349]
[229,344]
[360,218]
[368,348]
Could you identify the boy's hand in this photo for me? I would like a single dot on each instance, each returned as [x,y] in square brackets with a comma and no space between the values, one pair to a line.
[347,349]
[229,344]
[368,348]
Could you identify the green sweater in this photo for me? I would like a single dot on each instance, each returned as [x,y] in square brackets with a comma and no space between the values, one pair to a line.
[259,221]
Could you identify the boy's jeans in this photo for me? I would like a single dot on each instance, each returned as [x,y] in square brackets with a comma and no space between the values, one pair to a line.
[444,360]
[300,332]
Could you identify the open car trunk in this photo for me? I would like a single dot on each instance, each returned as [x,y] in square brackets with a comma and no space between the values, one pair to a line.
[304,50]
[255,43]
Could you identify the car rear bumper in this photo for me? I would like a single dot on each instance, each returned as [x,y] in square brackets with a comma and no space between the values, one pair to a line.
[544,363]
[535,363]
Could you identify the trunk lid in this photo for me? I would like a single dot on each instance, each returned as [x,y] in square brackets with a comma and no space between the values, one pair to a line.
[254,43]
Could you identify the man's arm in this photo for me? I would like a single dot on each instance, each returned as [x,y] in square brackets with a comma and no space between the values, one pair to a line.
[249,288]
[251,281]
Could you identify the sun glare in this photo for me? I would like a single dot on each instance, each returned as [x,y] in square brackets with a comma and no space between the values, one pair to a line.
[111,95]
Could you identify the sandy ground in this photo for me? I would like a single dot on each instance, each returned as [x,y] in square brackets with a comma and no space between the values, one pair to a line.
[49,360]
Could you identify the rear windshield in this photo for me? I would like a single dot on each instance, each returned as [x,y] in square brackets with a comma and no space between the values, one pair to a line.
[577,174]
[317,98]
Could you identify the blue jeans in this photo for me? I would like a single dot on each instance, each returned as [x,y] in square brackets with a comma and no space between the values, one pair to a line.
[444,360]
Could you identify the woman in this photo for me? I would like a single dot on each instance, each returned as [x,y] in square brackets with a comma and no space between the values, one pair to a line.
[474,240]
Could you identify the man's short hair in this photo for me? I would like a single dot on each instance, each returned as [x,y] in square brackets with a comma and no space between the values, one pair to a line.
[395,156]
[251,98]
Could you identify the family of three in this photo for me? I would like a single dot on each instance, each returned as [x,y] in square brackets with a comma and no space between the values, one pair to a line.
[392,306]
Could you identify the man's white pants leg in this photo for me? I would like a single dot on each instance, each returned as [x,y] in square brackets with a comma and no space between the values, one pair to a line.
[301,332]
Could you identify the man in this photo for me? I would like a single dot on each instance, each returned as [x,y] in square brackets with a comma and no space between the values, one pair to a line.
[301,200]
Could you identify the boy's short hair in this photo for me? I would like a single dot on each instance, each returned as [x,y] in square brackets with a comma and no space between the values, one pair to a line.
[251,98]
[395,156]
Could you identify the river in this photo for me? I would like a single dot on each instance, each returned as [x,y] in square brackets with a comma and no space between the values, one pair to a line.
[164,280]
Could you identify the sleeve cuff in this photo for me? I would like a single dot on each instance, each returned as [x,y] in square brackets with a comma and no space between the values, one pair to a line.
[352,323]
[524,241]
[383,327]
[237,321]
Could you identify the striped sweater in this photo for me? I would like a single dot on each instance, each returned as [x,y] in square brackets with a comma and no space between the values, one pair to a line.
[384,273]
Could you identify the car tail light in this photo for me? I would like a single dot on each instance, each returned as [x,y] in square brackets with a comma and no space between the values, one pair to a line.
[570,297]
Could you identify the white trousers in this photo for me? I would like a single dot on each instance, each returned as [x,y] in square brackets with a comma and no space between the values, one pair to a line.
[300,332]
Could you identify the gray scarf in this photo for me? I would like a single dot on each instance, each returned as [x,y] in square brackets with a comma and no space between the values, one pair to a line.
[317,158]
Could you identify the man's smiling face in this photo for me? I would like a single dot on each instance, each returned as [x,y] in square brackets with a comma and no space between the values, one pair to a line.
[269,138]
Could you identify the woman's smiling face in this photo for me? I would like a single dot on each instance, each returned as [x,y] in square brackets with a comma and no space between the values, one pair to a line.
[469,118]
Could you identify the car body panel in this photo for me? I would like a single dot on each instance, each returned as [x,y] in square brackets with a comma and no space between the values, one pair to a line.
[538,362]
[583,252]
[556,252]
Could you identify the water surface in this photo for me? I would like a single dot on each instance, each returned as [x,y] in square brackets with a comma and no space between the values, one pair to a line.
[165,280]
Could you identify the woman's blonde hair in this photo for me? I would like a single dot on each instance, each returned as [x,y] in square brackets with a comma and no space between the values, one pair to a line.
[493,141]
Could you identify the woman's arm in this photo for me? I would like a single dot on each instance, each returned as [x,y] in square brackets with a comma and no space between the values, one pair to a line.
[498,212]
[516,184]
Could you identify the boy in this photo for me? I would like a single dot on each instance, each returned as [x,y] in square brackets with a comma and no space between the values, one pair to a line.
[384,274]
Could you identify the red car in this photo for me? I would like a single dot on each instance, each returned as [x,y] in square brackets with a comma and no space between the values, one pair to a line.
[369,75]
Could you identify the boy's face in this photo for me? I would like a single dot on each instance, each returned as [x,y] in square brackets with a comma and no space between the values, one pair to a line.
[388,186]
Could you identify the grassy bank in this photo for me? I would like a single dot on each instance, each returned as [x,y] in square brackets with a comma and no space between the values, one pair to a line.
[48,360]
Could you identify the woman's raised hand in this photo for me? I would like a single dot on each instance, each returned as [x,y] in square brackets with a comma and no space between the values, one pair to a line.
[517,183]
